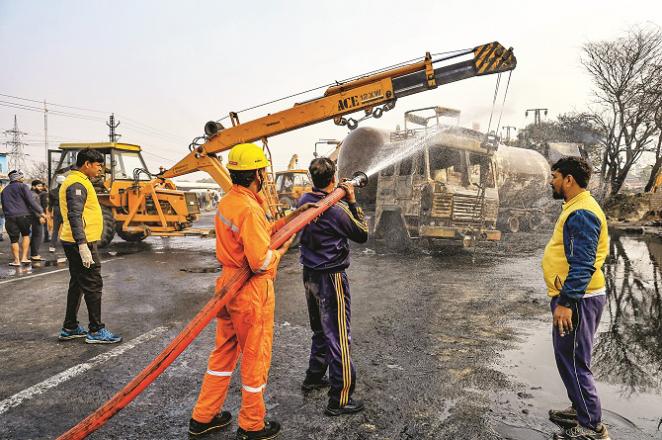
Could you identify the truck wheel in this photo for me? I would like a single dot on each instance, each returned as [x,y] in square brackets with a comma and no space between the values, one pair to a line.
[513,224]
[130,236]
[108,226]
[393,232]
[534,222]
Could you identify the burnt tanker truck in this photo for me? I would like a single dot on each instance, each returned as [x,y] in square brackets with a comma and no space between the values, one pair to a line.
[442,184]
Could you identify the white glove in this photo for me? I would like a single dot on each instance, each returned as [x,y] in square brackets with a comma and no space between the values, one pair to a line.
[85,255]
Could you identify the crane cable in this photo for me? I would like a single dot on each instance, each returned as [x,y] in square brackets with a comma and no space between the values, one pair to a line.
[503,103]
[496,93]
[481,197]
[443,56]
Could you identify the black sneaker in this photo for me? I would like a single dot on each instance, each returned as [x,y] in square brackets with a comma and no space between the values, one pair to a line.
[310,384]
[580,432]
[353,406]
[270,430]
[565,418]
[219,421]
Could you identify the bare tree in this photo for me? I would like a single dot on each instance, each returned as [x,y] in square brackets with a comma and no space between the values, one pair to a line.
[622,71]
[38,170]
[654,91]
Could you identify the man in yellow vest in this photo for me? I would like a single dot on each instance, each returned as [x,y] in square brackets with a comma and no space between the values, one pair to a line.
[572,267]
[81,229]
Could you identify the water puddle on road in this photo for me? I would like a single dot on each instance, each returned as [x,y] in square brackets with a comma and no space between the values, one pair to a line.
[627,359]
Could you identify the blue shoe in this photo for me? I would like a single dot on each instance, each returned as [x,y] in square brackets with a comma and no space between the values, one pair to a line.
[103,336]
[65,334]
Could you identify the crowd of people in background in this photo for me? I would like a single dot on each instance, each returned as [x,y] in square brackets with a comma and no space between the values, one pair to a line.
[30,216]
[208,199]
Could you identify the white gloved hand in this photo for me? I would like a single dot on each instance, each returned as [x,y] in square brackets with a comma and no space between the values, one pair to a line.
[85,255]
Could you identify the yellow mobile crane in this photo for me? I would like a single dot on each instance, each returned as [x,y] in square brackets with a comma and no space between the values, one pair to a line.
[143,208]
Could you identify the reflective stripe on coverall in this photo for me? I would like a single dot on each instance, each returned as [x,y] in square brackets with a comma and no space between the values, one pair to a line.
[245,325]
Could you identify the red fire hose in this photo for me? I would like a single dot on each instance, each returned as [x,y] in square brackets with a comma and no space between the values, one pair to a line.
[138,384]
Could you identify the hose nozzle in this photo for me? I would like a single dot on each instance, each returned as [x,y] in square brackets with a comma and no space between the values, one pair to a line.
[359,179]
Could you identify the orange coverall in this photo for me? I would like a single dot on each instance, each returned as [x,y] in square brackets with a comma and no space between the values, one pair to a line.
[245,325]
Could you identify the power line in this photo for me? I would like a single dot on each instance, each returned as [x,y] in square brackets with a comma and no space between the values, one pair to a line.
[91,119]
[133,121]
[19,106]
[132,125]
[55,105]
[160,157]
[52,112]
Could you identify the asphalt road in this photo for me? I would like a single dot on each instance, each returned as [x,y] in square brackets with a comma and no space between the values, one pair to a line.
[427,331]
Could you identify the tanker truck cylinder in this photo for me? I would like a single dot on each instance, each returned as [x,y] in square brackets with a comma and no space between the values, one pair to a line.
[361,150]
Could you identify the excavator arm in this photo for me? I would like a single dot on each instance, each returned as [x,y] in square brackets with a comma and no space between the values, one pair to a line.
[373,93]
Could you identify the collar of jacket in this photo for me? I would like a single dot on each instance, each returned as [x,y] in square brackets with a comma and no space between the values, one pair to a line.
[581,196]
[82,174]
[247,192]
[317,190]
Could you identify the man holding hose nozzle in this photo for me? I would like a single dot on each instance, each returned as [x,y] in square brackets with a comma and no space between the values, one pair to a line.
[245,325]
[325,256]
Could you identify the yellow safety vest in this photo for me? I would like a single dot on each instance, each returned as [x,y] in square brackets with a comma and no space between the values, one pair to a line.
[555,265]
[92,215]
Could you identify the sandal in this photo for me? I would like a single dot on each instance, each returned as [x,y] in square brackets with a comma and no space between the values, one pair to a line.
[14,264]
[36,258]
[26,262]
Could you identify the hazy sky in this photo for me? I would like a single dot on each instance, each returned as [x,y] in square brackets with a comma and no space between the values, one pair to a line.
[166,67]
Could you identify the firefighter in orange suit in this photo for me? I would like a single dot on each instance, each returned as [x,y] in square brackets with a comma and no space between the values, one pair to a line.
[245,325]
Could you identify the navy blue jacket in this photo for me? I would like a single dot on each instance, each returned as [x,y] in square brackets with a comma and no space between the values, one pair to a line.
[581,233]
[324,242]
[18,200]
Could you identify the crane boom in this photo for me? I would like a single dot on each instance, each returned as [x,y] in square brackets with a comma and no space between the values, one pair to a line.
[155,208]
[366,93]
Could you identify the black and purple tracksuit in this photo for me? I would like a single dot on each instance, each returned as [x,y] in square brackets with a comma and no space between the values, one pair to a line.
[325,256]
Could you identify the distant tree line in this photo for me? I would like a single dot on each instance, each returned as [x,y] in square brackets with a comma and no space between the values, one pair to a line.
[624,119]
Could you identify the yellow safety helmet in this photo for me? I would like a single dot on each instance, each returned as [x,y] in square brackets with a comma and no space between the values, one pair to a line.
[244,157]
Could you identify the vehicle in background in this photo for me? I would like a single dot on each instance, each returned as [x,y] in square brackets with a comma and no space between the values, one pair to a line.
[443,184]
[290,185]
[119,193]
[525,201]
[441,191]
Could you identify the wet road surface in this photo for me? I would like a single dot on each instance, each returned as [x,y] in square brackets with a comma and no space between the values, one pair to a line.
[440,352]
[627,360]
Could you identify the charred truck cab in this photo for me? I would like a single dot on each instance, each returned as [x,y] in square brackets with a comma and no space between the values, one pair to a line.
[439,187]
